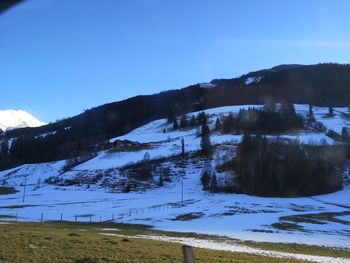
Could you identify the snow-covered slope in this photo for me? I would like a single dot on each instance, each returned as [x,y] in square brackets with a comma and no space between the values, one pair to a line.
[10,119]
[321,220]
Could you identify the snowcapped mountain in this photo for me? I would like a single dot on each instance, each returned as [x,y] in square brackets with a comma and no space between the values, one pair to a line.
[10,119]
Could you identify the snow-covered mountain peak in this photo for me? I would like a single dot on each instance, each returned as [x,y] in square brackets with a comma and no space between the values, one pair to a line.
[10,119]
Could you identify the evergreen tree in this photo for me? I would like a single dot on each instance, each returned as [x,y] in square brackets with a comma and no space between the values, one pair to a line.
[161,181]
[171,117]
[183,121]
[311,112]
[270,106]
[193,121]
[175,125]
[146,157]
[4,149]
[345,134]
[202,118]
[330,111]
[288,111]
[38,183]
[218,126]
[205,180]
[127,188]
[214,183]
[205,140]
[310,116]
[182,146]
[228,123]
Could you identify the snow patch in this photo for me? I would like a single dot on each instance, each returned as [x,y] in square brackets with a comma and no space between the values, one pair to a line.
[206,85]
[252,80]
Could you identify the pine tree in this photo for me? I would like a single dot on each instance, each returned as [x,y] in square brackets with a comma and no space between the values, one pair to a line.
[182,146]
[345,134]
[175,125]
[161,181]
[171,117]
[270,106]
[205,180]
[311,112]
[193,121]
[228,123]
[146,157]
[218,126]
[214,183]
[38,183]
[202,118]
[310,115]
[183,121]
[4,149]
[205,140]
[330,111]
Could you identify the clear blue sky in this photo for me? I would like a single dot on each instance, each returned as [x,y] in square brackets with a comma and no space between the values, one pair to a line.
[59,57]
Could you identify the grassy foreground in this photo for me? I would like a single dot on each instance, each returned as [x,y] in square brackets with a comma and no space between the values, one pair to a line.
[83,243]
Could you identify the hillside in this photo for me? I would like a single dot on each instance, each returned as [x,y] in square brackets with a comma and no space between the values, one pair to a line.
[319,85]
[142,177]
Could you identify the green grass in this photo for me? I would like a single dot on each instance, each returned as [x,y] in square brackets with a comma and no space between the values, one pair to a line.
[69,242]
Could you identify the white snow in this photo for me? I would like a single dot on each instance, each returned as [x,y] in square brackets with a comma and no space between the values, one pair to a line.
[10,119]
[225,245]
[336,123]
[251,80]
[233,215]
[206,85]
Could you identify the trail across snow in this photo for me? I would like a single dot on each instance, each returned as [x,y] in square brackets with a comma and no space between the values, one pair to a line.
[232,246]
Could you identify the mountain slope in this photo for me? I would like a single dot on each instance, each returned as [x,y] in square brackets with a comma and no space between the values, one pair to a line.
[320,85]
[11,119]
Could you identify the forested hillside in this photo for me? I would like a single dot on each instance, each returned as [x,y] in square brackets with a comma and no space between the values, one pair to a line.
[322,85]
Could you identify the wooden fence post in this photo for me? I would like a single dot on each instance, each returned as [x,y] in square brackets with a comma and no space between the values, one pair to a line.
[188,254]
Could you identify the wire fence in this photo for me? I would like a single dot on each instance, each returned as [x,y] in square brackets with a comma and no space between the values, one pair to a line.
[94,218]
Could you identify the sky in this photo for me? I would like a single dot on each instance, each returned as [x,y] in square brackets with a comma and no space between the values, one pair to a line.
[60,57]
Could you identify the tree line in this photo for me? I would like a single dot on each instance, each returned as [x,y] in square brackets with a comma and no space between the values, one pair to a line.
[276,168]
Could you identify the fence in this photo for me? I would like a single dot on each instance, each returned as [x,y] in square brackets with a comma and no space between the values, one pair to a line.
[93,218]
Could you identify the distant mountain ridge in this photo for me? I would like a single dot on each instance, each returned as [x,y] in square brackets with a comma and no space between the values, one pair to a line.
[12,119]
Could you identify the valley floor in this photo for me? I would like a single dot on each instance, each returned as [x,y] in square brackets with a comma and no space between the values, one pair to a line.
[92,242]
[321,220]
